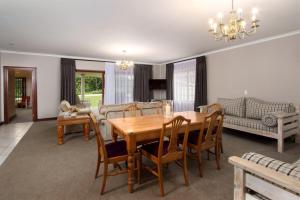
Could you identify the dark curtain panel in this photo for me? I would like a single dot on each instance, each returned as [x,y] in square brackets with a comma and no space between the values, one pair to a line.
[169,77]
[201,82]
[142,75]
[68,90]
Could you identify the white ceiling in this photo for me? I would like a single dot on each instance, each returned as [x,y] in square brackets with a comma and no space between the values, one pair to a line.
[152,31]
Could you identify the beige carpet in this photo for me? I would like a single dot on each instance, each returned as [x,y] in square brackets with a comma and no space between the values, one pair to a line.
[40,169]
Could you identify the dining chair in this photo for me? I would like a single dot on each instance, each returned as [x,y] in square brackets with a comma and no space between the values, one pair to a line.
[207,138]
[163,152]
[110,153]
[209,109]
[133,110]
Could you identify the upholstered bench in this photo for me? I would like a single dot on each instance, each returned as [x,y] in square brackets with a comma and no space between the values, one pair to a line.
[260,177]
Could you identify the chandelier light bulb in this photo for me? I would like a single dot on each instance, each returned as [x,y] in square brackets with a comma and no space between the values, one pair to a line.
[240,13]
[235,25]
[220,17]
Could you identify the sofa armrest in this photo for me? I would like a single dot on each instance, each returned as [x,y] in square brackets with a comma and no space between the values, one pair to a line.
[268,174]
[285,115]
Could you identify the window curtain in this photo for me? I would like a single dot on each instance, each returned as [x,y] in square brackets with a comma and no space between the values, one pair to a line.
[184,85]
[169,77]
[142,75]
[201,82]
[118,84]
[68,89]
[110,84]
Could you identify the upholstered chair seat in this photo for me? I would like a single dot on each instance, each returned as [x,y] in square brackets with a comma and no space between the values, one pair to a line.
[152,148]
[115,149]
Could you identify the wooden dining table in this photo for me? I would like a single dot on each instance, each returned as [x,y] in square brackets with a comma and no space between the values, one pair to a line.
[145,128]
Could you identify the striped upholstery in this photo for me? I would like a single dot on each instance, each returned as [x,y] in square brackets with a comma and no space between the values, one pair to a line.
[279,166]
[256,109]
[250,123]
[297,163]
[234,107]
[269,120]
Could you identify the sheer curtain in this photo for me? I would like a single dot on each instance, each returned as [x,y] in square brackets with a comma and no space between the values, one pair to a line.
[118,84]
[184,85]
[124,85]
[109,90]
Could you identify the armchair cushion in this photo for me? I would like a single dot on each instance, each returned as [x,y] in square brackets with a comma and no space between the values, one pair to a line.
[65,106]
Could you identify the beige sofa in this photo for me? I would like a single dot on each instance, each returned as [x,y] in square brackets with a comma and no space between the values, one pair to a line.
[269,119]
[117,111]
[259,177]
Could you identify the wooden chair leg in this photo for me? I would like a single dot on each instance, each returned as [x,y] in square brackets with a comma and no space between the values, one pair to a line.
[199,160]
[139,167]
[217,155]
[222,151]
[185,171]
[160,179]
[105,174]
[98,166]
[207,154]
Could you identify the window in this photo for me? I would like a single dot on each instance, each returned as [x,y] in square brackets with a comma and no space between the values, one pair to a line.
[184,85]
[90,88]
[20,89]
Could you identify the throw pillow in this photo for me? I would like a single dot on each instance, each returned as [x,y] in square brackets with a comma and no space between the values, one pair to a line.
[269,120]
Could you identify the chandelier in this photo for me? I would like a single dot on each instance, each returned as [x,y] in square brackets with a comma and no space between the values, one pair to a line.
[124,64]
[236,26]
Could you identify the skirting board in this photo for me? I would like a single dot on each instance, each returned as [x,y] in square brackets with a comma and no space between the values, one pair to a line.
[46,119]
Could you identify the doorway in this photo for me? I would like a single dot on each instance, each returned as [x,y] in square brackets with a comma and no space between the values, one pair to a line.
[20,96]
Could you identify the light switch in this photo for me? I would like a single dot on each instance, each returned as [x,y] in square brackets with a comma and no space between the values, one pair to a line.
[245,92]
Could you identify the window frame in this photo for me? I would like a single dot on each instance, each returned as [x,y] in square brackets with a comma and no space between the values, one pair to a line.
[95,71]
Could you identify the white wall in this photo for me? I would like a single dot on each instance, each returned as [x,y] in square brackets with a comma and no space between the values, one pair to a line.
[268,70]
[48,80]
[90,65]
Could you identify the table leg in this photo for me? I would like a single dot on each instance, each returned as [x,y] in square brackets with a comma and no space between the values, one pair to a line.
[131,148]
[114,135]
[60,134]
[86,131]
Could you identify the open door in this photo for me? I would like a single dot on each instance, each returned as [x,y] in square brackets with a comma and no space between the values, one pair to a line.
[11,94]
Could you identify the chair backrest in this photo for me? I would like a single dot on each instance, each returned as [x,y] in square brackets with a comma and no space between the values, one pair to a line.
[99,138]
[132,110]
[175,126]
[212,107]
[211,129]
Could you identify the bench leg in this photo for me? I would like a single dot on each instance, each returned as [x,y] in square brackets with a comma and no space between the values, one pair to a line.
[280,139]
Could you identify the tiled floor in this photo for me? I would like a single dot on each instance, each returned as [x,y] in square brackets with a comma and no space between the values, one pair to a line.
[10,135]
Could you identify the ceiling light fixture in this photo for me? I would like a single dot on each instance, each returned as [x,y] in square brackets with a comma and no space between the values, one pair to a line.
[236,26]
[124,64]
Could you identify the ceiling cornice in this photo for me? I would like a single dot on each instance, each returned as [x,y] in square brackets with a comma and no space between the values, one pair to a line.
[238,46]
[65,56]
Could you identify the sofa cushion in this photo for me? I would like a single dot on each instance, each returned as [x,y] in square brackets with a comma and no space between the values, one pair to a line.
[271,163]
[269,120]
[249,123]
[256,108]
[234,107]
